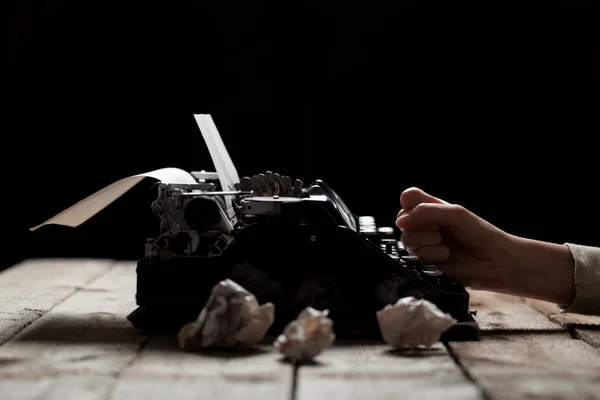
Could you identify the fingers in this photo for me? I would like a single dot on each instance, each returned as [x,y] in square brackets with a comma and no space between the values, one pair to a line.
[423,228]
[427,215]
[433,254]
[414,240]
[412,197]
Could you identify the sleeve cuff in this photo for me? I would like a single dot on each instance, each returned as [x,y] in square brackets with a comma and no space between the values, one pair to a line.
[587,280]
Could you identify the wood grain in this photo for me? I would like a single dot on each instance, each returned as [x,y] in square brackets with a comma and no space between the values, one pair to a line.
[165,371]
[80,347]
[65,335]
[497,312]
[584,327]
[522,354]
[590,336]
[31,288]
[376,370]
[565,319]
[85,348]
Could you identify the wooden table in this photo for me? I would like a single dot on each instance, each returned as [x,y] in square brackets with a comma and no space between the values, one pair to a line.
[64,334]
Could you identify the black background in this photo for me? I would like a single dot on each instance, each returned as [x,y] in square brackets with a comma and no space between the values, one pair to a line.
[497,111]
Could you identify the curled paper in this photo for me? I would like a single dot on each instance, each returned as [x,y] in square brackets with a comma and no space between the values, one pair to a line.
[306,336]
[412,323]
[231,317]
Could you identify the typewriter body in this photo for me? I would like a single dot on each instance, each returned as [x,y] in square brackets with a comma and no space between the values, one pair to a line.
[291,245]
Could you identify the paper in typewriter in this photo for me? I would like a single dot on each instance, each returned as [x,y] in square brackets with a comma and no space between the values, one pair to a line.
[85,209]
[226,170]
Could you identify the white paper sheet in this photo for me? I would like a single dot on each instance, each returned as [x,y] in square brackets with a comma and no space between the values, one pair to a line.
[85,209]
[228,174]
[82,211]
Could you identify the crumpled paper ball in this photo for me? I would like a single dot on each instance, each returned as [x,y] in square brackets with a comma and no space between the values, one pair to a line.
[412,323]
[306,336]
[231,317]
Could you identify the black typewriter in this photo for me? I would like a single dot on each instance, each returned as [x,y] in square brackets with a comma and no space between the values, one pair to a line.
[290,245]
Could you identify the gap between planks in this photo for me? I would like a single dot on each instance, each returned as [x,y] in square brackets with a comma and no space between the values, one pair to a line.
[374,369]
[85,348]
[467,374]
[584,327]
[503,363]
[78,347]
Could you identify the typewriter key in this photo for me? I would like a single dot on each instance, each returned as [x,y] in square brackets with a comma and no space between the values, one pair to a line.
[431,270]
[410,258]
[388,246]
[385,231]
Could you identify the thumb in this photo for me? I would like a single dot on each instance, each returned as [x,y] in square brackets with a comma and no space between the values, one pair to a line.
[412,197]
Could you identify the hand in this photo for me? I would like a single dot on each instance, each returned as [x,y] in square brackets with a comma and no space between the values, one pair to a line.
[465,247]
[479,255]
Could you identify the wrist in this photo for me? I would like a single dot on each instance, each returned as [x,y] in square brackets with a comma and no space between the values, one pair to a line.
[539,270]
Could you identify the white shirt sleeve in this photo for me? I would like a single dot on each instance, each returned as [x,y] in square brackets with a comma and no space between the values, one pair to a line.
[587,280]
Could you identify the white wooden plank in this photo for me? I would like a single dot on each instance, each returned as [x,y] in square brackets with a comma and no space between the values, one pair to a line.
[31,288]
[375,370]
[584,327]
[565,319]
[86,348]
[500,312]
[522,356]
[165,371]
[80,346]
[56,387]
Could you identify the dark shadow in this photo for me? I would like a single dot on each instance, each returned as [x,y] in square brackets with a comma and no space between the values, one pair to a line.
[108,328]
[520,332]
[590,327]
[86,328]
[343,342]
[267,340]
[415,353]
[7,361]
[167,342]
[305,363]
[357,342]
[228,352]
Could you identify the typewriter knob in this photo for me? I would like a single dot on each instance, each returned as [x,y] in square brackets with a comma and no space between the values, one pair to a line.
[202,213]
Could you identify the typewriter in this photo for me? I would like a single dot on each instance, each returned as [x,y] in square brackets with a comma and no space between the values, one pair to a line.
[290,244]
